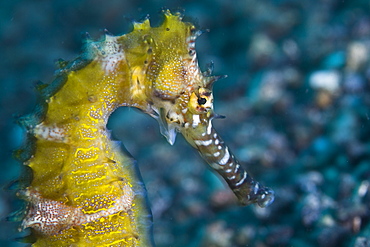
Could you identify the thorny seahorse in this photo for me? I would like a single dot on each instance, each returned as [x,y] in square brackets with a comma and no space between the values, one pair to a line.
[84,191]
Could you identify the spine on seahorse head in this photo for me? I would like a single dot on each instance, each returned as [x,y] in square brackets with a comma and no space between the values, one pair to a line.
[84,191]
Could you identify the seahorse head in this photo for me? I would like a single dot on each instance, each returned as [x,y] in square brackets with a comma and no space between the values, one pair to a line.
[179,94]
[190,113]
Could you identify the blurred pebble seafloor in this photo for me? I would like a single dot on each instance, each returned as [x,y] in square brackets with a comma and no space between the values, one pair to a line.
[296,102]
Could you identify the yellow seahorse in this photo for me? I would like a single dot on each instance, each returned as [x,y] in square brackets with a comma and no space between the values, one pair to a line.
[84,190]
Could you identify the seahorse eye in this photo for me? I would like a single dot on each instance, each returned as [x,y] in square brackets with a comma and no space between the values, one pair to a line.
[202,101]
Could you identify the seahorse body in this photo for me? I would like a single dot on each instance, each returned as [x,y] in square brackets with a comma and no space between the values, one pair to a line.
[85,191]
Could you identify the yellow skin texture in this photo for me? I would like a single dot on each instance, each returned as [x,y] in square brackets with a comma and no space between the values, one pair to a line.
[84,170]
[84,191]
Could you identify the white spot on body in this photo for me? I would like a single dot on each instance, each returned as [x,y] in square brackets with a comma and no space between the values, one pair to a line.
[241,181]
[203,143]
[236,168]
[196,121]
[110,62]
[216,154]
[209,128]
[50,133]
[111,53]
[226,157]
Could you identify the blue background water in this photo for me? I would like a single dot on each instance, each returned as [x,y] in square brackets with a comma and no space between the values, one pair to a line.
[296,100]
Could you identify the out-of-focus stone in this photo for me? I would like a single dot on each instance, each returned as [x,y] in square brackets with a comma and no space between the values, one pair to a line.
[218,235]
[357,55]
[328,80]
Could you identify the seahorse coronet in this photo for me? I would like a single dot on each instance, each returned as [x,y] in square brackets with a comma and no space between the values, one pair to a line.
[84,191]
